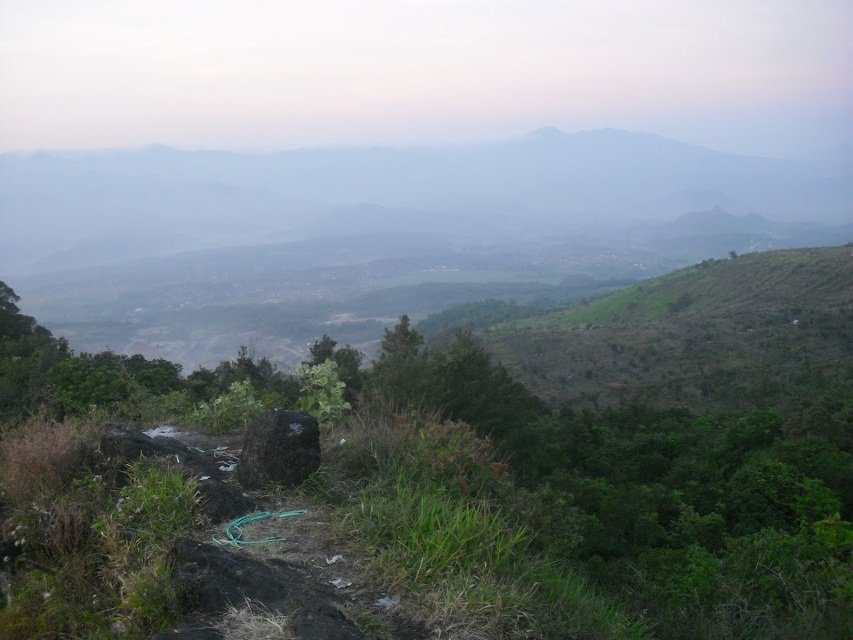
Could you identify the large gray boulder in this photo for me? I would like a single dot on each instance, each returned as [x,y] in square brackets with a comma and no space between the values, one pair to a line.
[279,447]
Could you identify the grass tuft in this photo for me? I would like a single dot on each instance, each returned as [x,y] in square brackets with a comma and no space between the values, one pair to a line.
[254,622]
[447,530]
[37,461]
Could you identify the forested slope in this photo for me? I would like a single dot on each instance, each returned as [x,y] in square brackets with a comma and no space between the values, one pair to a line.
[759,329]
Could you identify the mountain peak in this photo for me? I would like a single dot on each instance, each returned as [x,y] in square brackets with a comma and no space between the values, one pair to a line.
[547,133]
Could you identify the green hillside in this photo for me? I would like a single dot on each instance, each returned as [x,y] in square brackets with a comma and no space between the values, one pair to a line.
[760,329]
[490,513]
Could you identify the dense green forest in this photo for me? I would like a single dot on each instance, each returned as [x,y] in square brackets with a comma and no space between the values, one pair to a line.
[726,515]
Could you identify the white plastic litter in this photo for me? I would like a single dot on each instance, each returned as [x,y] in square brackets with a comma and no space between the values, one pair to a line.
[334,559]
[388,602]
[164,430]
[205,478]
[228,467]
[340,583]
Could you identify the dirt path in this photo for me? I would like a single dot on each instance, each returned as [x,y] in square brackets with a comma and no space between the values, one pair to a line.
[317,543]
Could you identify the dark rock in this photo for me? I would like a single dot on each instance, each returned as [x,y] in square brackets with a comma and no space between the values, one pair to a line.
[208,579]
[122,444]
[220,501]
[126,443]
[280,446]
[321,621]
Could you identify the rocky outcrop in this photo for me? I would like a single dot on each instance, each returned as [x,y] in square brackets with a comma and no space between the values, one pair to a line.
[279,447]
[209,579]
[120,444]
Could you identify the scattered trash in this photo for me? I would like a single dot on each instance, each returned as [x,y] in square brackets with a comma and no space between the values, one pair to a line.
[388,602]
[340,583]
[334,559]
[205,478]
[177,459]
[342,442]
[164,430]
[227,458]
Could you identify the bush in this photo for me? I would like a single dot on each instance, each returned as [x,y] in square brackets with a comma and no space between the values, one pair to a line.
[234,409]
[37,461]
[449,530]
[322,393]
[99,551]
[157,504]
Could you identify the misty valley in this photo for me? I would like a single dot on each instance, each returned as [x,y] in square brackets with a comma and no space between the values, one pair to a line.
[188,255]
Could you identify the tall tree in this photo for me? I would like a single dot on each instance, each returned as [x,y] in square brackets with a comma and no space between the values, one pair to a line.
[27,352]
[401,372]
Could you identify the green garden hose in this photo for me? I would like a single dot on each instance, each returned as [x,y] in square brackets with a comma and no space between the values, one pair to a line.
[234,529]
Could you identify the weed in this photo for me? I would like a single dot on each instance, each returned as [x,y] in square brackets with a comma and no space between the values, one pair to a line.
[321,485]
[234,409]
[148,600]
[45,605]
[37,461]
[369,624]
[566,606]
[156,505]
[322,393]
[448,548]
[254,622]
[371,438]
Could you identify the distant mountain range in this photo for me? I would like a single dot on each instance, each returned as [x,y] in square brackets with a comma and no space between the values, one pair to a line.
[701,234]
[65,209]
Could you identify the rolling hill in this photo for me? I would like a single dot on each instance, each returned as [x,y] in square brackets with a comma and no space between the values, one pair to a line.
[752,331]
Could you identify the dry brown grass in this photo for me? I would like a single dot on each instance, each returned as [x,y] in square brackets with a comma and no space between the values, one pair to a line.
[37,461]
[254,622]
[374,436]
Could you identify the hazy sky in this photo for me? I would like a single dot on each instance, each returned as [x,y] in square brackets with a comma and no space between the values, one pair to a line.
[760,76]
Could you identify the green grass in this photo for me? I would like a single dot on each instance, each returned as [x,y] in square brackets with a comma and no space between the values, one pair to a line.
[429,532]
[449,534]
[469,566]
[94,558]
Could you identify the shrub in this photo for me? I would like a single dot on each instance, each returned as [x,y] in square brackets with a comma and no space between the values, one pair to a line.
[234,409]
[149,602]
[37,461]
[157,504]
[322,393]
